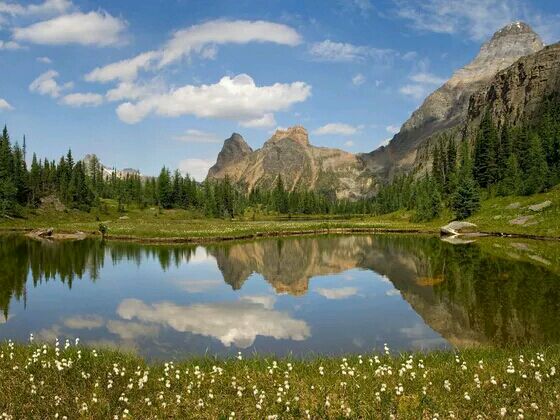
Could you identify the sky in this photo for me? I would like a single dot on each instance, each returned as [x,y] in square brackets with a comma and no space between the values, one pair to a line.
[144,84]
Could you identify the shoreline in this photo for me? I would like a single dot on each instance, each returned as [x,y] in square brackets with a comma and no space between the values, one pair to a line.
[194,240]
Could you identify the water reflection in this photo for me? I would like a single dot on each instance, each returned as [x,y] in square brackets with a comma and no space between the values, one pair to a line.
[312,294]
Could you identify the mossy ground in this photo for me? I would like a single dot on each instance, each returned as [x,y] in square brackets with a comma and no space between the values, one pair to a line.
[495,215]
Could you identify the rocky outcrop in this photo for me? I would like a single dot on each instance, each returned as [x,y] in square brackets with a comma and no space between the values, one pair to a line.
[515,95]
[289,154]
[446,108]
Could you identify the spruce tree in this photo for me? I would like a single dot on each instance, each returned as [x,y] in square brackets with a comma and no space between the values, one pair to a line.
[537,168]
[512,181]
[485,168]
[165,189]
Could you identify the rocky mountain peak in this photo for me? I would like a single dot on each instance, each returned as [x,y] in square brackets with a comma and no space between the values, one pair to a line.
[296,133]
[234,149]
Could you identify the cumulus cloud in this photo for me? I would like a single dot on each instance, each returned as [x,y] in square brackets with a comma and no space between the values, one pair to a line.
[10,45]
[84,322]
[349,143]
[236,98]
[196,168]
[358,79]
[199,285]
[203,38]
[131,330]
[46,84]
[5,105]
[132,91]
[94,28]
[238,323]
[124,70]
[424,83]
[48,7]
[77,100]
[197,136]
[267,120]
[337,293]
[44,60]
[336,129]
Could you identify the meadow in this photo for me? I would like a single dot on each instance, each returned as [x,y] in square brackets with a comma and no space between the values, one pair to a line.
[67,380]
[495,216]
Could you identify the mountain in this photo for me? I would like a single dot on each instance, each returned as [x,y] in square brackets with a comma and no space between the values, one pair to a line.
[511,75]
[446,108]
[90,159]
[289,154]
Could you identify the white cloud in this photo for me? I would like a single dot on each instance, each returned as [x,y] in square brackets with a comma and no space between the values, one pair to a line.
[46,84]
[48,7]
[393,292]
[5,105]
[267,301]
[198,136]
[392,129]
[427,78]
[414,91]
[238,323]
[131,91]
[358,79]
[337,293]
[10,45]
[131,330]
[86,322]
[203,38]
[336,129]
[267,120]
[337,51]
[196,168]
[77,100]
[477,19]
[236,98]
[199,286]
[124,70]
[94,28]
[44,60]
[349,143]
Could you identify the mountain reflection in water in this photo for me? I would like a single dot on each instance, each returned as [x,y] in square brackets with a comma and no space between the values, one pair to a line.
[327,294]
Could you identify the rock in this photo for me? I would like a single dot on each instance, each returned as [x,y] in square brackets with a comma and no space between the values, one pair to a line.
[124,218]
[52,202]
[457,228]
[497,217]
[513,206]
[540,259]
[540,206]
[521,220]
[456,240]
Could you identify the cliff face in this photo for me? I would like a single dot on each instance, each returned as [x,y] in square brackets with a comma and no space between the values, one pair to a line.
[446,108]
[516,94]
[288,153]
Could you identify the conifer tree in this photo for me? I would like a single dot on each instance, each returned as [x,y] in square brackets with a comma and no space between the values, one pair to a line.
[537,169]
[512,181]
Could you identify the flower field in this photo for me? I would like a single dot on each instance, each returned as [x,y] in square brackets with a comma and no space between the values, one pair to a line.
[67,380]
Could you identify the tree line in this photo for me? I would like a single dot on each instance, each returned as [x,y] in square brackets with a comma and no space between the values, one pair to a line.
[83,185]
[500,161]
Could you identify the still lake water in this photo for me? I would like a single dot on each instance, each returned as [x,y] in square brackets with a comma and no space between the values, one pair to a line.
[307,295]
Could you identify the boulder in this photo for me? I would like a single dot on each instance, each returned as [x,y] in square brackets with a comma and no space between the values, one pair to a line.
[540,206]
[457,228]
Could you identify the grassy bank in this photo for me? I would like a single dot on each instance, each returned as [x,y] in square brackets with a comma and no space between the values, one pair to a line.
[509,215]
[40,381]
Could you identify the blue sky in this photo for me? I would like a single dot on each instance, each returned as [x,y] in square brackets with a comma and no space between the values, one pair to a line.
[162,82]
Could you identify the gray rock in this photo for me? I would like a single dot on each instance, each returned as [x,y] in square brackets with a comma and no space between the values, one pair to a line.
[457,228]
[513,206]
[521,220]
[540,206]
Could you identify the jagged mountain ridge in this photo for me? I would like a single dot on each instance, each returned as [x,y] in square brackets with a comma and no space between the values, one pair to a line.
[512,72]
[289,154]
[446,108]
[108,172]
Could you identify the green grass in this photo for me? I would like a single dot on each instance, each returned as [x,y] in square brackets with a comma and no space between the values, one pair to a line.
[494,216]
[39,381]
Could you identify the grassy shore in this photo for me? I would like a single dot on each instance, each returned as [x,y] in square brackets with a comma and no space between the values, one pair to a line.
[40,381]
[496,215]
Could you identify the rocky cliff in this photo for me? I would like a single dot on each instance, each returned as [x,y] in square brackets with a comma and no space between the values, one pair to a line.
[446,108]
[289,154]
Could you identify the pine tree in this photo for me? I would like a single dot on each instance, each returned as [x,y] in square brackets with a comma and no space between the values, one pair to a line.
[537,168]
[165,189]
[512,181]
[466,198]
[8,190]
[485,168]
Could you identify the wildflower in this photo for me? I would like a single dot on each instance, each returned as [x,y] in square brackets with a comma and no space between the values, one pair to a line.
[467,396]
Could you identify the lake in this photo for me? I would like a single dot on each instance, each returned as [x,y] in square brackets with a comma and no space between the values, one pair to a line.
[298,295]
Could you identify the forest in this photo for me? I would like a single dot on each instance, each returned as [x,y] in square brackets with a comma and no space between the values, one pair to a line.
[521,160]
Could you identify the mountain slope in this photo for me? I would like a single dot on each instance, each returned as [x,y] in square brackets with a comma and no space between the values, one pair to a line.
[289,154]
[446,108]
